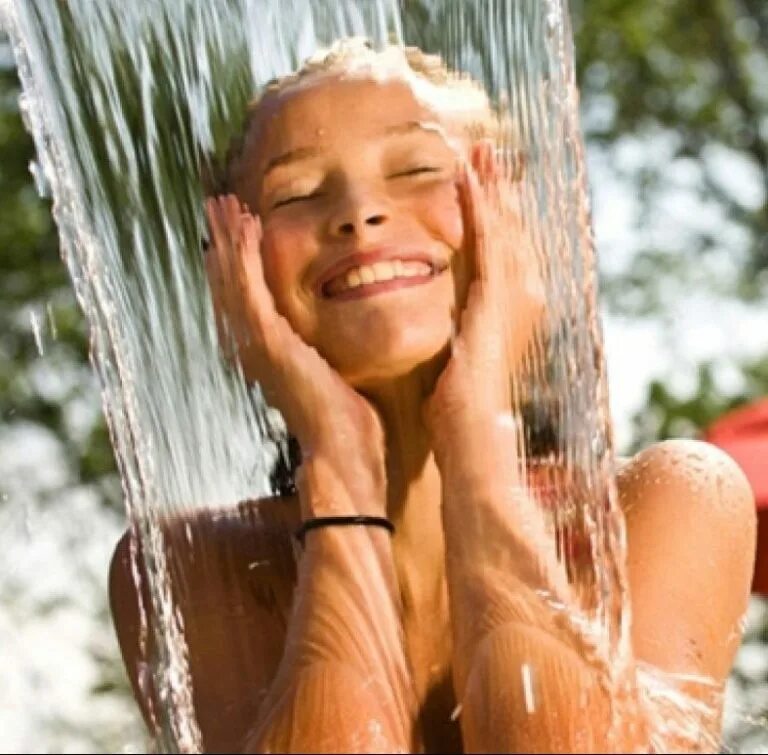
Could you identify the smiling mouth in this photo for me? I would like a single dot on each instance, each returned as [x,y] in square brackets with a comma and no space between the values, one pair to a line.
[379,277]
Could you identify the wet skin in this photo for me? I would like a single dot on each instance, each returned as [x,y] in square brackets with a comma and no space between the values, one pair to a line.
[343,174]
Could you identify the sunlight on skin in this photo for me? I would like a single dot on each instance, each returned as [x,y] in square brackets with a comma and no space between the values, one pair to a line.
[342,175]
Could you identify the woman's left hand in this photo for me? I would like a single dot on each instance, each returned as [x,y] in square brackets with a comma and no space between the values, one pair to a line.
[504,308]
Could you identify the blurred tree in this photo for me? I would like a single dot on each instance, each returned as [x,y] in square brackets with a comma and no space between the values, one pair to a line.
[685,79]
[688,79]
[38,313]
[672,414]
[47,388]
[647,70]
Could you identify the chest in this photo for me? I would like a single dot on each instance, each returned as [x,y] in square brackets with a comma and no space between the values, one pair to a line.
[427,637]
[237,603]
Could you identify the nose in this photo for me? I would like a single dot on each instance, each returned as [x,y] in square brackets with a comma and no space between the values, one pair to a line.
[357,213]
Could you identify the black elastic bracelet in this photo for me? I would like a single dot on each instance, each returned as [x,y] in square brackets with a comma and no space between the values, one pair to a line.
[344,521]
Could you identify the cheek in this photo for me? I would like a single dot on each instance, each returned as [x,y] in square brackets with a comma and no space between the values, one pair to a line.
[443,217]
[440,212]
[284,259]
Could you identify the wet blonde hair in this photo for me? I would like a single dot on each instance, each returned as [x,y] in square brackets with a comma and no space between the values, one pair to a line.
[456,96]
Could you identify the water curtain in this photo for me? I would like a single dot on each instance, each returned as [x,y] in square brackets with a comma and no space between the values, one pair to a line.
[130,105]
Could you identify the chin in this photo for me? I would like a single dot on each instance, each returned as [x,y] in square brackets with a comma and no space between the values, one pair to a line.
[376,361]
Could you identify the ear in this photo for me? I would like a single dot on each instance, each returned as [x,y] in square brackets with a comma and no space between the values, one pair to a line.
[493,164]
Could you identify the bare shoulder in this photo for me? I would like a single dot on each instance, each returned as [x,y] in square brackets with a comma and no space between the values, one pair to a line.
[691,529]
[699,472]
[232,574]
[212,552]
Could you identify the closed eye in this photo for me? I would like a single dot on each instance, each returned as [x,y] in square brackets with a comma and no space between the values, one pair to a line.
[297,198]
[416,171]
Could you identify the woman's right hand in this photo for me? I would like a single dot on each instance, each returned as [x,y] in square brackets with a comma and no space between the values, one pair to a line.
[333,424]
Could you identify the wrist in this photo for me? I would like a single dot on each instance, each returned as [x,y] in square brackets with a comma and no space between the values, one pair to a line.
[340,487]
[483,450]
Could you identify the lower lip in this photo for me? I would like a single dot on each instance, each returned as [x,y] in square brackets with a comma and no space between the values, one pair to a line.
[373,289]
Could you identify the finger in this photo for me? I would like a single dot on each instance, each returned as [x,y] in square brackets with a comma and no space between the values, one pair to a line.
[484,161]
[234,212]
[212,262]
[213,216]
[224,231]
[221,263]
[251,281]
[490,229]
[497,164]
[474,228]
[218,296]
[518,164]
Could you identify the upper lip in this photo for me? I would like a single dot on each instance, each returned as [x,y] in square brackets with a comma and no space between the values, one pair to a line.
[371,256]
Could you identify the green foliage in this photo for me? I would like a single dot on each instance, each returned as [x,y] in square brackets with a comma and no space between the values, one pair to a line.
[693,71]
[34,285]
[674,414]
[680,66]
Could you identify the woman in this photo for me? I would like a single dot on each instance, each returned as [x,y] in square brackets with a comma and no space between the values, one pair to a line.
[355,279]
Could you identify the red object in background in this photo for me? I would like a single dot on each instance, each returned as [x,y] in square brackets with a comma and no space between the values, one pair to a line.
[743,434]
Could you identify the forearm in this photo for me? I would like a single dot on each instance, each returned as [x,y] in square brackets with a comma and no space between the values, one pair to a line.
[526,674]
[528,691]
[501,561]
[343,683]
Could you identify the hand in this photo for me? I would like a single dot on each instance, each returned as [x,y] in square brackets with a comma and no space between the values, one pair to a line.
[504,308]
[330,420]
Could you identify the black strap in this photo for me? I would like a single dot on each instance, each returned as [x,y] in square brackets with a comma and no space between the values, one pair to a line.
[343,521]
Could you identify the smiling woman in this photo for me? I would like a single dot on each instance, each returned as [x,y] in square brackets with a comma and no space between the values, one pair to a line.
[378,192]
[360,262]
[388,172]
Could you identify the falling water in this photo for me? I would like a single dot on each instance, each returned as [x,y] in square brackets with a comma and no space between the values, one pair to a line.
[130,104]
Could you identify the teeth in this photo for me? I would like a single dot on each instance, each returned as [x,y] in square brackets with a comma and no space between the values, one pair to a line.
[384,271]
[353,279]
[414,269]
[378,273]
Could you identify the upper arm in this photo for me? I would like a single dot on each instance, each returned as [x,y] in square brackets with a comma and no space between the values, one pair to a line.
[232,584]
[691,527]
[127,598]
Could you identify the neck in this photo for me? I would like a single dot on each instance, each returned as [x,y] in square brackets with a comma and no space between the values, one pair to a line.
[411,470]
[414,495]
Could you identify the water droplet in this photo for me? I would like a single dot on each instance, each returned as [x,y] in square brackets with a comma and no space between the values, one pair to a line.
[28,521]
[37,332]
[51,321]
[41,183]
[530,702]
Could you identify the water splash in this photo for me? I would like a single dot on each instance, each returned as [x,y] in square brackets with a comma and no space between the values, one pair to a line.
[129,103]
[37,331]
[51,320]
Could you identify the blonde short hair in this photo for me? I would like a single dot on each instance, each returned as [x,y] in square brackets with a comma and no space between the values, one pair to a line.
[456,96]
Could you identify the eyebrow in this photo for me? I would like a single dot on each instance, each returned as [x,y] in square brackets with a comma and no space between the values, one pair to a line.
[303,153]
[294,155]
[407,128]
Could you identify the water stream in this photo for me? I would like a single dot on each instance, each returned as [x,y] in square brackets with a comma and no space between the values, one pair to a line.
[130,105]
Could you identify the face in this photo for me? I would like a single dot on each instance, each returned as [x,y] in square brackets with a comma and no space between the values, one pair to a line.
[355,182]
